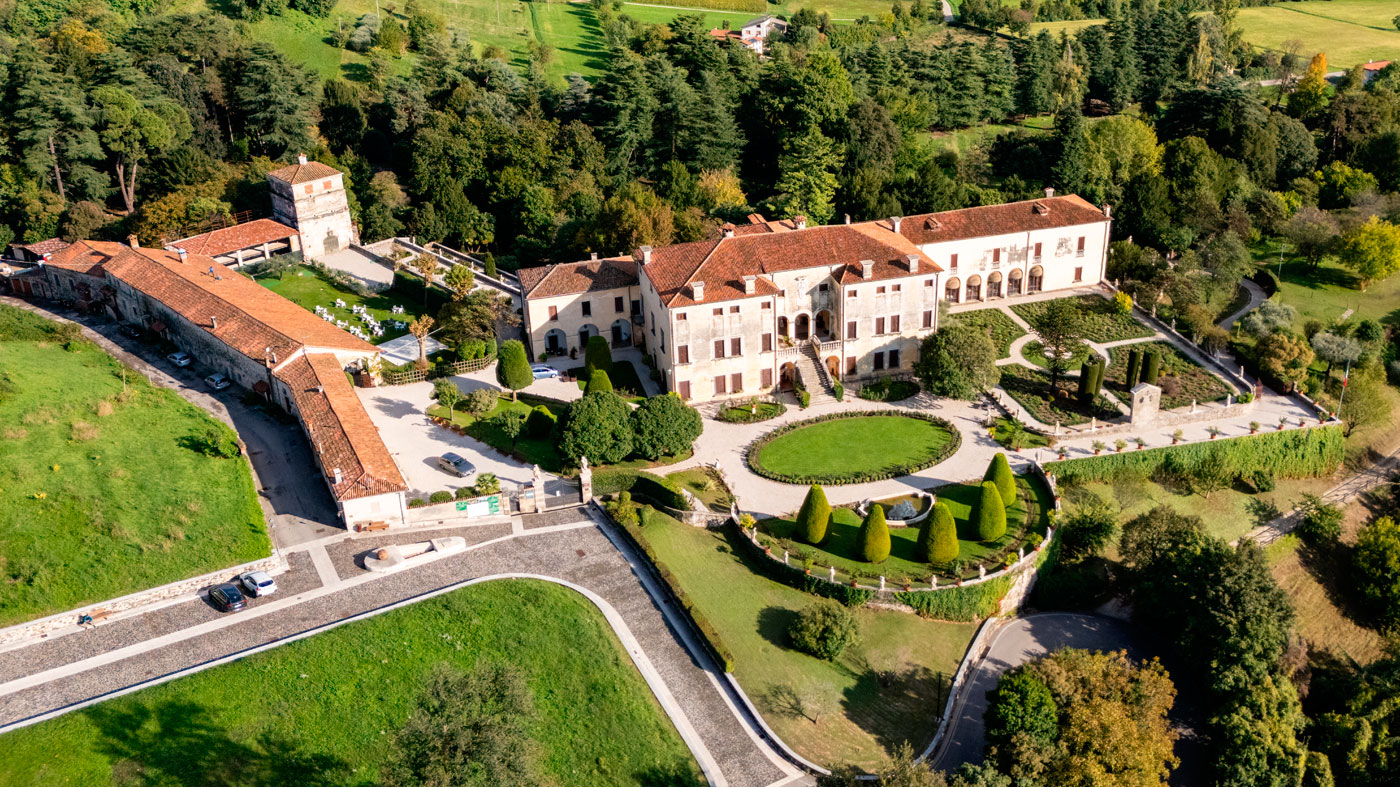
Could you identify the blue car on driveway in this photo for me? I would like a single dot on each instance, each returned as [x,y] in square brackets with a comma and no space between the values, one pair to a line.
[543,372]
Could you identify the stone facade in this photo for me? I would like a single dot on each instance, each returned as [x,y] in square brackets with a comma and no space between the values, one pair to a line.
[316,206]
[561,325]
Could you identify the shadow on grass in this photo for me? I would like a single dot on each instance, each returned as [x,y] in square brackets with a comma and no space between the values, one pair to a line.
[1331,566]
[884,702]
[774,623]
[676,773]
[180,743]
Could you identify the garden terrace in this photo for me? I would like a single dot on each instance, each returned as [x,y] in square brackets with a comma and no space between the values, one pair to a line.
[1099,317]
[82,438]
[1182,380]
[324,709]
[1031,389]
[849,448]
[1001,329]
[1034,352]
[1027,521]
[309,288]
[622,375]
[751,413]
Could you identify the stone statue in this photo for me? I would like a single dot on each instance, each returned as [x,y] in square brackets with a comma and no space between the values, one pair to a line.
[981,572]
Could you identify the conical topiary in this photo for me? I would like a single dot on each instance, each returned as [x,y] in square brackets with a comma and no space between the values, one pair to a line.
[999,473]
[1151,366]
[1134,367]
[1096,384]
[813,516]
[1086,374]
[991,513]
[938,539]
[875,535]
[598,381]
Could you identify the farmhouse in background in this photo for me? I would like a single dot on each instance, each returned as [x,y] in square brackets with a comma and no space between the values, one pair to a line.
[754,32]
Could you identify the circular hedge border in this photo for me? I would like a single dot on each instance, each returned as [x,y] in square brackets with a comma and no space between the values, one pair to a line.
[878,474]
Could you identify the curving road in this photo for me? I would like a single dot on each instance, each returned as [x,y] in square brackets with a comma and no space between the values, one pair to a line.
[1019,641]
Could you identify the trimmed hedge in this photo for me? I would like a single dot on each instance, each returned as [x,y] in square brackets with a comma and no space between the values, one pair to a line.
[875,535]
[1294,453]
[999,473]
[939,541]
[643,485]
[796,577]
[991,513]
[878,474]
[962,604]
[708,633]
[814,517]
[742,415]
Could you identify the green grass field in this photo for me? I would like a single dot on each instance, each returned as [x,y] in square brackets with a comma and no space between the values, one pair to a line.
[323,710]
[885,691]
[961,140]
[1328,292]
[309,289]
[853,445]
[1349,31]
[103,487]
[842,545]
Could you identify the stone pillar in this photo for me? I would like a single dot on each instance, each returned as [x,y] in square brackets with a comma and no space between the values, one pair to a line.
[1147,403]
[882,582]
[526,497]
[585,481]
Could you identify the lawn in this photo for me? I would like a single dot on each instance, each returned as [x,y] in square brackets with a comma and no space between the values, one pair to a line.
[842,545]
[1311,582]
[1181,380]
[1002,329]
[1101,321]
[104,488]
[962,140]
[1328,292]
[323,710]
[1031,389]
[623,377]
[705,485]
[1349,31]
[1001,432]
[853,446]
[308,289]
[1036,353]
[886,691]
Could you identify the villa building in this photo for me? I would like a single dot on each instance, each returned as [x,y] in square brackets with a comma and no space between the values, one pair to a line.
[774,303]
[754,33]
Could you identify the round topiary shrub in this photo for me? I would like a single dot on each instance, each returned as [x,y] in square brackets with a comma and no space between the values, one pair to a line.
[991,513]
[824,630]
[999,473]
[938,540]
[814,516]
[875,535]
[440,496]
[598,381]
[540,423]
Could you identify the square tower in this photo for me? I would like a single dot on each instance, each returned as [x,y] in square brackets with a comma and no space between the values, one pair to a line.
[310,196]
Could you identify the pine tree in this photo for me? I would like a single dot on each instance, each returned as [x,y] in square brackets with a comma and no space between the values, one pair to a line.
[999,82]
[1123,85]
[938,540]
[807,183]
[1071,170]
[999,473]
[814,515]
[54,127]
[875,535]
[626,106]
[991,513]
[716,138]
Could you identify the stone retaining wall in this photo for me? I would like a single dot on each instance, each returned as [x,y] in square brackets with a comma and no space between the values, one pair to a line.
[124,606]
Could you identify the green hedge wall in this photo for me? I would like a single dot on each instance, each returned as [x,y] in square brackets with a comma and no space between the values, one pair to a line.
[880,474]
[967,603]
[1293,453]
[644,486]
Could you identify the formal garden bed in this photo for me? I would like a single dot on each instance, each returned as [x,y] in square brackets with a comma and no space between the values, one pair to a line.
[751,412]
[309,288]
[108,484]
[326,709]
[1100,319]
[1034,352]
[1002,329]
[888,390]
[1031,389]
[1011,433]
[1182,380]
[850,448]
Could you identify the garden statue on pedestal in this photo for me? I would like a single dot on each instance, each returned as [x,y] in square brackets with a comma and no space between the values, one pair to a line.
[585,479]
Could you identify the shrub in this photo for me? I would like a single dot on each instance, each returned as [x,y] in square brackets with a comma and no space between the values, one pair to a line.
[1134,368]
[1122,302]
[643,486]
[417,502]
[598,426]
[440,496]
[480,401]
[804,399]
[598,381]
[1022,704]
[991,513]
[814,516]
[1262,481]
[464,492]
[1320,521]
[824,629]
[665,426]
[972,602]
[540,423]
[1151,367]
[838,389]
[999,473]
[875,535]
[597,355]
[1376,559]
[623,510]
[218,441]
[751,413]
[938,542]
[513,367]
[487,484]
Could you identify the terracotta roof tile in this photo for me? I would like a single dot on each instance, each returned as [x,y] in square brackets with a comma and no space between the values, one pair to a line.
[342,433]
[46,246]
[1035,214]
[240,236]
[84,257]
[572,278]
[301,173]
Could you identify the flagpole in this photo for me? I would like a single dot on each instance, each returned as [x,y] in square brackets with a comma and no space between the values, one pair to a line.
[1345,377]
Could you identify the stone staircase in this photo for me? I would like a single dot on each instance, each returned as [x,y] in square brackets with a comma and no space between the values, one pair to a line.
[813,376]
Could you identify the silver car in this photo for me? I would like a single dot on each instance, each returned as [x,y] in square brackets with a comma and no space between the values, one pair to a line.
[258,583]
[456,465]
[180,359]
[218,381]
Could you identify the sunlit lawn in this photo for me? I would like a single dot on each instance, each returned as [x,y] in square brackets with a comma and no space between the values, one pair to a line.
[853,445]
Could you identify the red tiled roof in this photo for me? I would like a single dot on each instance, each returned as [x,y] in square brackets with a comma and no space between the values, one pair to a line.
[301,173]
[988,220]
[571,278]
[46,246]
[1375,65]
[240,236]
[342,433]
[84,257]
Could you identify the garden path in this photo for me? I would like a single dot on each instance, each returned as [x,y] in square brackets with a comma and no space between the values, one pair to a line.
[1256,297]
[1351,488]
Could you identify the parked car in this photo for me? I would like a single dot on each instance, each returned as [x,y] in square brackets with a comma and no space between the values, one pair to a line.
[218,381]
[227,597]
[180,359]
[456,465]
[258,583]
[543,372]
[130,331]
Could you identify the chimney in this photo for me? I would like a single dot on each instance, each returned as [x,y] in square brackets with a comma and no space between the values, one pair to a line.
[895,221]
[336,472]
[180,252]
[1107,211]
[848,218]
[727,229]
[750,284]
[697,291]
[799,222]
[1049,192]
[213,324]
[133,241]
[867,269]
[592,255]
[301,158]
[913,260]
[646,255]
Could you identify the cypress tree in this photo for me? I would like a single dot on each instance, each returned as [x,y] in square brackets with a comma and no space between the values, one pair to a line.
[999,473]
[875,535]
[991,513]
[1134,368]
[1096,385]
[938,540]
[598,381]
[1086,380]
[1151,368]
[812,518]
[513,368]
[597,355]
[1071,169]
